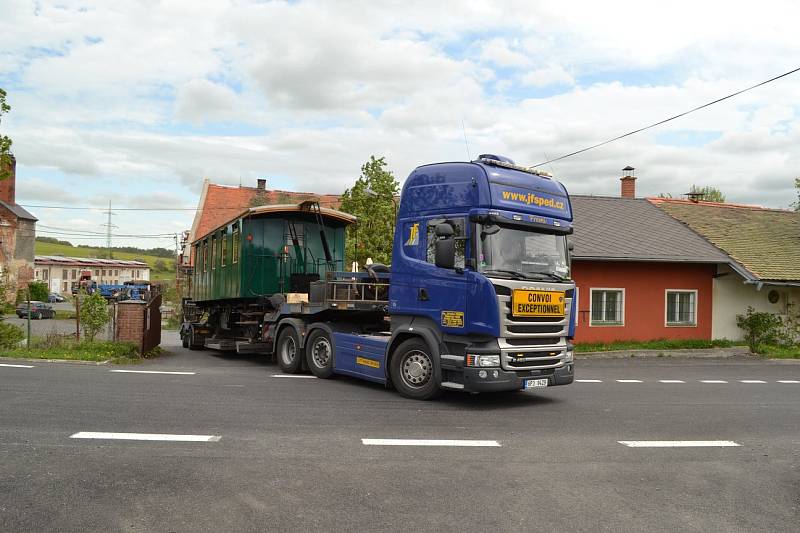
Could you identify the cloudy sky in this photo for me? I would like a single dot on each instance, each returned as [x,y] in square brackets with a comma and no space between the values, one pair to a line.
[137,102]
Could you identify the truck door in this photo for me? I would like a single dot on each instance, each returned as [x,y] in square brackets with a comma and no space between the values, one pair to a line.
[442,293]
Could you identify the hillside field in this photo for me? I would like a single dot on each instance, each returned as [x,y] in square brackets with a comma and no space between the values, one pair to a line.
[46,248]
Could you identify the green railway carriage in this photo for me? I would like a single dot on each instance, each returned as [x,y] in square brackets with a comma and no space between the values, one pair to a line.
[268,250]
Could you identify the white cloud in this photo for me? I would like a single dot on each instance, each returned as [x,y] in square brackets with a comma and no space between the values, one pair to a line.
[306,91]
[549,75]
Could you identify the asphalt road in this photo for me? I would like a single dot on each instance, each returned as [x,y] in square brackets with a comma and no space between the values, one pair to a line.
[286,454]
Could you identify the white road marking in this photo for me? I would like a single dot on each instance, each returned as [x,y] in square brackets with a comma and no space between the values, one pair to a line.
[788,381]
[629,381]
[153,372]
[589,380]
[678,443]
[298,376]
[671,381]
[751,381]
[145,436]
[16,366]
[429,442]
[712,381]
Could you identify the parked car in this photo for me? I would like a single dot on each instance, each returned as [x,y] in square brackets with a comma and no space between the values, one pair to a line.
[55,298]
[39,310]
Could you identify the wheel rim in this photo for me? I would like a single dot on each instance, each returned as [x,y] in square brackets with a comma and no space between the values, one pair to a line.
[288,351]
[416,369]
[321,352]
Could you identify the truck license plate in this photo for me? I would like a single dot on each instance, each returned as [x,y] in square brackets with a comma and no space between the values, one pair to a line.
[533,383]
[537,303]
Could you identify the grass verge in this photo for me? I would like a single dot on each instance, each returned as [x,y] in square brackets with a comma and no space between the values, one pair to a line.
[659,344]
[117,352]
[779,352]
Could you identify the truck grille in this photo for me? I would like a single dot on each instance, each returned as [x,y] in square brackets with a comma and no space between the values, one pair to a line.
[531,342]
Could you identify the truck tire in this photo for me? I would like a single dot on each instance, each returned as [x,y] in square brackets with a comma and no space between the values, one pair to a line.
[413,372]
[290,356]
[190,336]
[320,353]
[184,339]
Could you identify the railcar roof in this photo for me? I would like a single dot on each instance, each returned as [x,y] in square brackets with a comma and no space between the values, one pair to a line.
[326,212]
[297,208]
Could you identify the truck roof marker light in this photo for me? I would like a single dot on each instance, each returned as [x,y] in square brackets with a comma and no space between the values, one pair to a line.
[488,159]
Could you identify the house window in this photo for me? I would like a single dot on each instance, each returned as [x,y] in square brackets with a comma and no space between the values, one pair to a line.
[224,248]
[45,274]
[74,274]
[65,285]
[235,248]
[116,272]
[607,307]
[97,272]
[458,234]
[64,275]
[681,308]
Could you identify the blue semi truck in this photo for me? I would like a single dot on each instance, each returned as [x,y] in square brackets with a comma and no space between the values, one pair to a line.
[478,297]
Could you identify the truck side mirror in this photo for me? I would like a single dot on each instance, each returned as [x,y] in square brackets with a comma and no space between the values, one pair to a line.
[571,245]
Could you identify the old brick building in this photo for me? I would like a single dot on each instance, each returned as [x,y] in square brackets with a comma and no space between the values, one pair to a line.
[17,237]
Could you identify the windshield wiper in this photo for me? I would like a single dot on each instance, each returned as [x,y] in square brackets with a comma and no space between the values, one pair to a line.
[512,273]
[546,275]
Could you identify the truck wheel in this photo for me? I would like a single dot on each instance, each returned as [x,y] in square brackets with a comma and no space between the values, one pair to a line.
[185,339]
[319,354]
[413,372]
[289,353]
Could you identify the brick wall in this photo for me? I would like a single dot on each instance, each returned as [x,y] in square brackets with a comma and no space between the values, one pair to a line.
[140,323]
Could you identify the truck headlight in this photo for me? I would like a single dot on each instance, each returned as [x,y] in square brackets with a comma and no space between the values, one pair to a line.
[483,360]
[569,356]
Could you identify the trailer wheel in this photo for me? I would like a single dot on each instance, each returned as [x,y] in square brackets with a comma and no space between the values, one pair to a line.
[413,372]
[184,339]
[289,352]
[191,341]
[319,354]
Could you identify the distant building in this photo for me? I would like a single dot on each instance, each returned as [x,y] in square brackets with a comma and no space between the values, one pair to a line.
[60,272]
[17,237]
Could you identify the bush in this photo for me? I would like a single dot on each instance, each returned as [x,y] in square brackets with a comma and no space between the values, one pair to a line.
[761,329]
[38,291]
[10,335]
[94,315]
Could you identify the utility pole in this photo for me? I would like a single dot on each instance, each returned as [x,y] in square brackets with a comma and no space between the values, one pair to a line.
[108,225]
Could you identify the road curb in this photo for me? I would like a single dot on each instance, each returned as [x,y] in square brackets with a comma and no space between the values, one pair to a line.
[708,353]
[68,361]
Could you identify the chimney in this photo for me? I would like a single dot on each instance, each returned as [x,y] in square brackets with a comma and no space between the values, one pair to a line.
[8,185]
[262,184]
[628,187]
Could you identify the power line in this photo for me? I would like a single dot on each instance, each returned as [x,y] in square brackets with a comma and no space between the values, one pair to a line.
[668,119]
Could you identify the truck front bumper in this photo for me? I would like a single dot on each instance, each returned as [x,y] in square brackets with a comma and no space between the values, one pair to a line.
[511,380]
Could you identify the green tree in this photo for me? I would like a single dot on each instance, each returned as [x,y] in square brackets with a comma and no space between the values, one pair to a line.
[371,199]
[160,265]
[710,194]
[38,291]
[6,158]
[94,315]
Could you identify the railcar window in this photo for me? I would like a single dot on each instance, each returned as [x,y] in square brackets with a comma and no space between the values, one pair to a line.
[235,245]
[224,247]
[213,252]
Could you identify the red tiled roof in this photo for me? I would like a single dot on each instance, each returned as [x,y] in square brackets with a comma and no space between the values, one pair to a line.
[224,203]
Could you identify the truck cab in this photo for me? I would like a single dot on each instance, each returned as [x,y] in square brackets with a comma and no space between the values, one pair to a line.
[481,270]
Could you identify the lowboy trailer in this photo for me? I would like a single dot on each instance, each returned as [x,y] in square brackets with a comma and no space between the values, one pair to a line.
[478,297]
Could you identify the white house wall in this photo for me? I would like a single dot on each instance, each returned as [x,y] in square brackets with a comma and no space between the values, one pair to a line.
[732,297]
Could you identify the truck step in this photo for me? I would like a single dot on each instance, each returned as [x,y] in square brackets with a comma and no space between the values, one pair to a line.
[221,344]
[252,347]
[248,323]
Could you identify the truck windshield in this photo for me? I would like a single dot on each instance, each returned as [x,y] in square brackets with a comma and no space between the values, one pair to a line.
[515,252]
